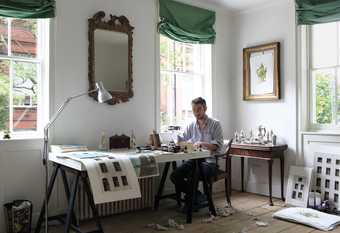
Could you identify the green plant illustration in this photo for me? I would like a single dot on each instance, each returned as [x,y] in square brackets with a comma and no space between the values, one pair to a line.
[262,72]
[309,215]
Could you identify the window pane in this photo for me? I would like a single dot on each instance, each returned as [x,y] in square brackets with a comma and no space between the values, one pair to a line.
[24,96]
[3,36]
[324,45]
[323,83]
[4,95]
[188,87]
[187,58]
[166,53]
[166,97]
[184,69]
[24,37]
[338,98]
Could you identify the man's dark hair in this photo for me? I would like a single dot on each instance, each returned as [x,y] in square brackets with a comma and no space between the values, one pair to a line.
[199,100]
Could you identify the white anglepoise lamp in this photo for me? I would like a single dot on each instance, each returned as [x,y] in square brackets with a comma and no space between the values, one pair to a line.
[103,96]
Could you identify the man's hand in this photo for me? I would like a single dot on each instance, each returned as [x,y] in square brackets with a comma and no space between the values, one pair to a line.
[205,145]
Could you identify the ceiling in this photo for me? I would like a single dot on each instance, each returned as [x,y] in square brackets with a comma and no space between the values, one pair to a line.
[239,5]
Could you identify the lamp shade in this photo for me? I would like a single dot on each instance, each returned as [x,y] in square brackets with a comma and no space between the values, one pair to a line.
[103,94]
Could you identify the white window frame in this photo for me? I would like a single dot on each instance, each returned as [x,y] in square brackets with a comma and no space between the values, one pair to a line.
[42,60]
[305,84]
[207,87]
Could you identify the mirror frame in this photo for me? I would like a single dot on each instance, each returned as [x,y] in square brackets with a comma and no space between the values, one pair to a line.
[116,24]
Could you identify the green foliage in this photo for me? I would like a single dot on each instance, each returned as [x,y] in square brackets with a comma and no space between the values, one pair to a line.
[262,72]
[4,101]
[24,84]
[323,99]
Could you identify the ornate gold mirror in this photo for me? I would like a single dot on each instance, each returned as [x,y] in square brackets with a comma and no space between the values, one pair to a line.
[110,56]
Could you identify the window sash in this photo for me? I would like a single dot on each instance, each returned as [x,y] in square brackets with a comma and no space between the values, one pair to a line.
[335,124]
[41,63]
[203,76]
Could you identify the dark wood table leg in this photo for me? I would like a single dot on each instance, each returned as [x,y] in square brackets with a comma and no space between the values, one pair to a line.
[190,196]
[91,203]
[161,185]
[68,195]
[282,165]
[227,183]
[226,188]
[49,191]
[242,174]
[71,203]
[229,174]
[270,168]
[178,192]
[206,188]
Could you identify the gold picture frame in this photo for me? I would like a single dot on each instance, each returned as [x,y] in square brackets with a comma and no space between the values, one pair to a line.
[261,72]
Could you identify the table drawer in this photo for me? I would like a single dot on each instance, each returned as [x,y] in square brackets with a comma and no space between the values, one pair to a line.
[250,153]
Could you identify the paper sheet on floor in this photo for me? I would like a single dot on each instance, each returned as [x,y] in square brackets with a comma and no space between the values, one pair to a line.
[310,217]
[112,177]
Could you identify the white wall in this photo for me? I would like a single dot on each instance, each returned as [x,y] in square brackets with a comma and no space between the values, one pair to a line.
[21,173]
[273,22]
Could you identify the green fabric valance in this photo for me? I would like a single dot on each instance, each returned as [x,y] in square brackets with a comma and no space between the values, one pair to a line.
[317,11]
[185,23]
[25,9]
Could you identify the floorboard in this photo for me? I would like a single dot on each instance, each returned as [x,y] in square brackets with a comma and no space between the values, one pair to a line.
[249,209]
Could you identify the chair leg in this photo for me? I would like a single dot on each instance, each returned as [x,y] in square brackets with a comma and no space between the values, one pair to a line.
[226,190]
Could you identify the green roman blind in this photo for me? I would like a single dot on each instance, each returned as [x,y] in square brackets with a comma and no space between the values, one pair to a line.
[186,23]
[27,8]
[317,11]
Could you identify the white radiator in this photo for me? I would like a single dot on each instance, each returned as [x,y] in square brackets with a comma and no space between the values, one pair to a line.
[83,210]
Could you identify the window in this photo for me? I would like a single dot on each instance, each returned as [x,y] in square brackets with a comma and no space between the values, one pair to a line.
[23,68]
[185,73]
[324,75]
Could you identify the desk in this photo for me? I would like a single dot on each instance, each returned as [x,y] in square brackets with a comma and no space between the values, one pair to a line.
[263,152]
[63,164]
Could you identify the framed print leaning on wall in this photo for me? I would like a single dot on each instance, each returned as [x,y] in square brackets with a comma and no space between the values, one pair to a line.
[261,72]
[298,186]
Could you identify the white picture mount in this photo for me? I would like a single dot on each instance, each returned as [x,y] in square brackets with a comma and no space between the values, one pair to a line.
[298,186]
[327,176]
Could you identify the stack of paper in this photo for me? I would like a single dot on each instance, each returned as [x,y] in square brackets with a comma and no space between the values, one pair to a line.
[309,217]
[67,148]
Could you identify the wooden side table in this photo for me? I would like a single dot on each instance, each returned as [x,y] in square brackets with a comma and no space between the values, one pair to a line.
[263,152]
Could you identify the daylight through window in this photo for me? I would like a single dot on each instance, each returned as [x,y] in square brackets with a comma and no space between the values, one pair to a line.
[22,53]
[185,73]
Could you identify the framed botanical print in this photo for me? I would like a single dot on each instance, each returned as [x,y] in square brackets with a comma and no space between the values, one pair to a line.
[261,72]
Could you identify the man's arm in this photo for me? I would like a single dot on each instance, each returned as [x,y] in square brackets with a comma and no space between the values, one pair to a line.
[217,137]
[216,143]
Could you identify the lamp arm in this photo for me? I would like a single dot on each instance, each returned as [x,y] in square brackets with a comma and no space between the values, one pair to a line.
[61,109]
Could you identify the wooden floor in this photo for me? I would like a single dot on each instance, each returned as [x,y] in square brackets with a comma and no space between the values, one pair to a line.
[249,209]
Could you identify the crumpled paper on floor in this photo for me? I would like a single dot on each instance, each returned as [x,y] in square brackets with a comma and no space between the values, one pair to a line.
[171,224]
[210,219]
[261,224]
[220,212]
[157,227]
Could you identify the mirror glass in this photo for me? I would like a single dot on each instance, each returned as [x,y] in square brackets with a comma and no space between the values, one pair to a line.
[111,59]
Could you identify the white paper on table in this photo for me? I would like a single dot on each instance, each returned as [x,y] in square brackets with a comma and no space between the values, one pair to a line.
[121,179]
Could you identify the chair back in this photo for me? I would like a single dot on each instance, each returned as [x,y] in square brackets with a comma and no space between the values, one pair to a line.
[226,153]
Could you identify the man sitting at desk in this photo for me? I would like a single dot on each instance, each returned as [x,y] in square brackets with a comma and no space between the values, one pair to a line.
[204,133]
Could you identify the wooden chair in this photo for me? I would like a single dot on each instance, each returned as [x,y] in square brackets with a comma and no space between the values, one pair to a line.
[223,174]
